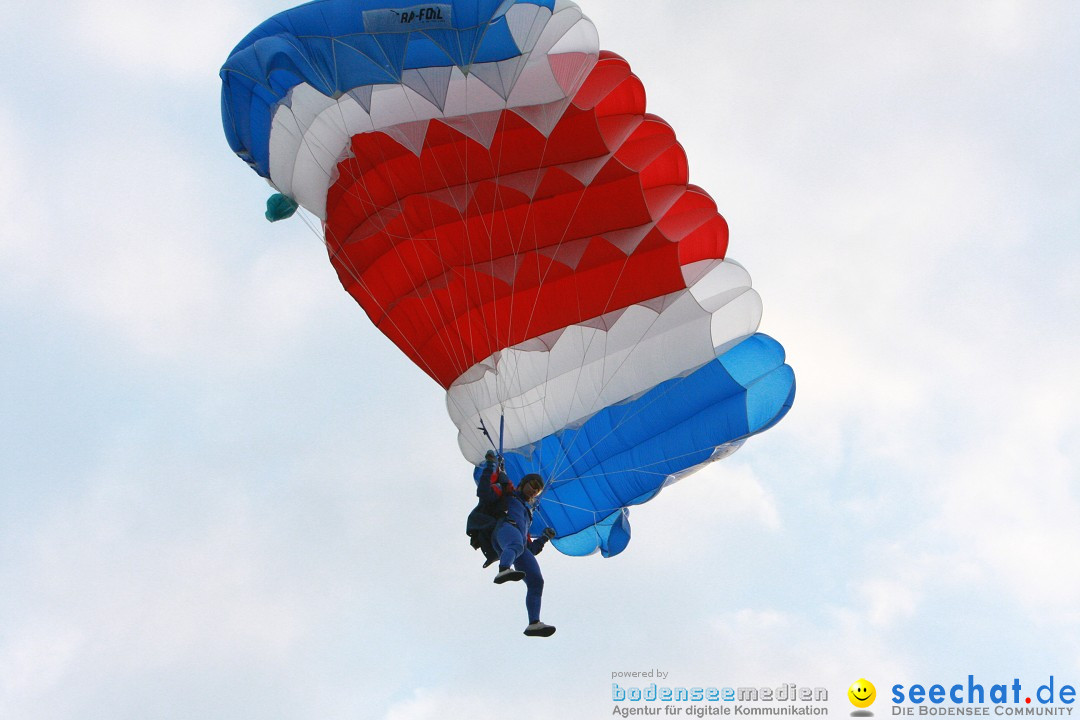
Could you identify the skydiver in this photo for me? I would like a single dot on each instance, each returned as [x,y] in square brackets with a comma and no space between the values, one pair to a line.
[492,490]
[511,540]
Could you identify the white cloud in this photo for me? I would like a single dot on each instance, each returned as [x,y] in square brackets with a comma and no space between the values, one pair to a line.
[722,501]
[159,580]
[439,704]
[21,207]
[729,493]
[180,41]
[1011,502]
[34,662]
[893,582]
[831,650]
[889,600]
[141,597]
[136,261]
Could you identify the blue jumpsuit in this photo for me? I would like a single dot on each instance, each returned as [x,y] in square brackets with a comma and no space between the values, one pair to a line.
[511,541]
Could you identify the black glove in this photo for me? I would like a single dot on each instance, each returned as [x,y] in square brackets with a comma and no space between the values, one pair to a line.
[548,533]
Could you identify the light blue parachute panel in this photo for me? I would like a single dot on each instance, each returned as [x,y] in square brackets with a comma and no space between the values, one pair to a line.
[624,454]
[338,45]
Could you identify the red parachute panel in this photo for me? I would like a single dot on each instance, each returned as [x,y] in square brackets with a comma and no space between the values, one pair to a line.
[465,249]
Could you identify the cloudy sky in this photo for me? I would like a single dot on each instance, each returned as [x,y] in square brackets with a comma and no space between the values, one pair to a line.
[225,495]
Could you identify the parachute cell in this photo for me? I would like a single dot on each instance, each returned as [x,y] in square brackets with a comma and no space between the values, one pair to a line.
[495,196]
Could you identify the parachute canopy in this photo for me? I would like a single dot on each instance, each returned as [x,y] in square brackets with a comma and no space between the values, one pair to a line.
[495,196]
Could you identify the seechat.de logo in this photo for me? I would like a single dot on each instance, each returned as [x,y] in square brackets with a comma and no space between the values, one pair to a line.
[862,695]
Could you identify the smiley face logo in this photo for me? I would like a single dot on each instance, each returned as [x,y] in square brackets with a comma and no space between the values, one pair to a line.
[862,693]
